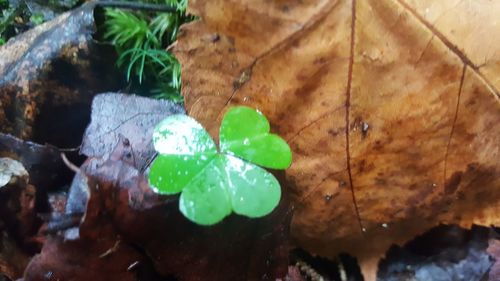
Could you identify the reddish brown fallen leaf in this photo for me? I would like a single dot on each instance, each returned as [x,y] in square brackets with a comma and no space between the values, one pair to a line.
[118,116]
[84,259]
[48,76]
[391,108]
[236,249]
[96,253]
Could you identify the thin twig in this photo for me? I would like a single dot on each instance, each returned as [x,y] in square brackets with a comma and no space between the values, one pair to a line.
[111,250]
[73,149]
[137,6]
[70,165]
[133,265]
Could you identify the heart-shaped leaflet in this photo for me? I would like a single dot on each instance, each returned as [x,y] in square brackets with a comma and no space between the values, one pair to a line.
[244,132]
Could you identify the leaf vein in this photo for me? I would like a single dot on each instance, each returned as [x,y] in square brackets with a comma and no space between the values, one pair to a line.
[460,87]
[466,60]
[347,112]
[314,20]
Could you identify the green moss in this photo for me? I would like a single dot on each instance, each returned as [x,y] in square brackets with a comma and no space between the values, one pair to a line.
[141,40]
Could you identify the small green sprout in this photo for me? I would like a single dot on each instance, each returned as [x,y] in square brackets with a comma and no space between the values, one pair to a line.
[37,18]
[213,183]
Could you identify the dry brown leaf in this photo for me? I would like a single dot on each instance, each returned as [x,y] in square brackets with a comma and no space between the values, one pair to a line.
[116,116]
[391,108]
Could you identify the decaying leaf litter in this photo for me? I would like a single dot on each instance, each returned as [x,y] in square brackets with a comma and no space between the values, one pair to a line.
[399,76]
[118,142]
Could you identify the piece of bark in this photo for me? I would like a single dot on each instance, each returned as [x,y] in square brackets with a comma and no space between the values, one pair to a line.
[45,167]
[48,76]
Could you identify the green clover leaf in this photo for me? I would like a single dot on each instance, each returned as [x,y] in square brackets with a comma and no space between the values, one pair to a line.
[213,184]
